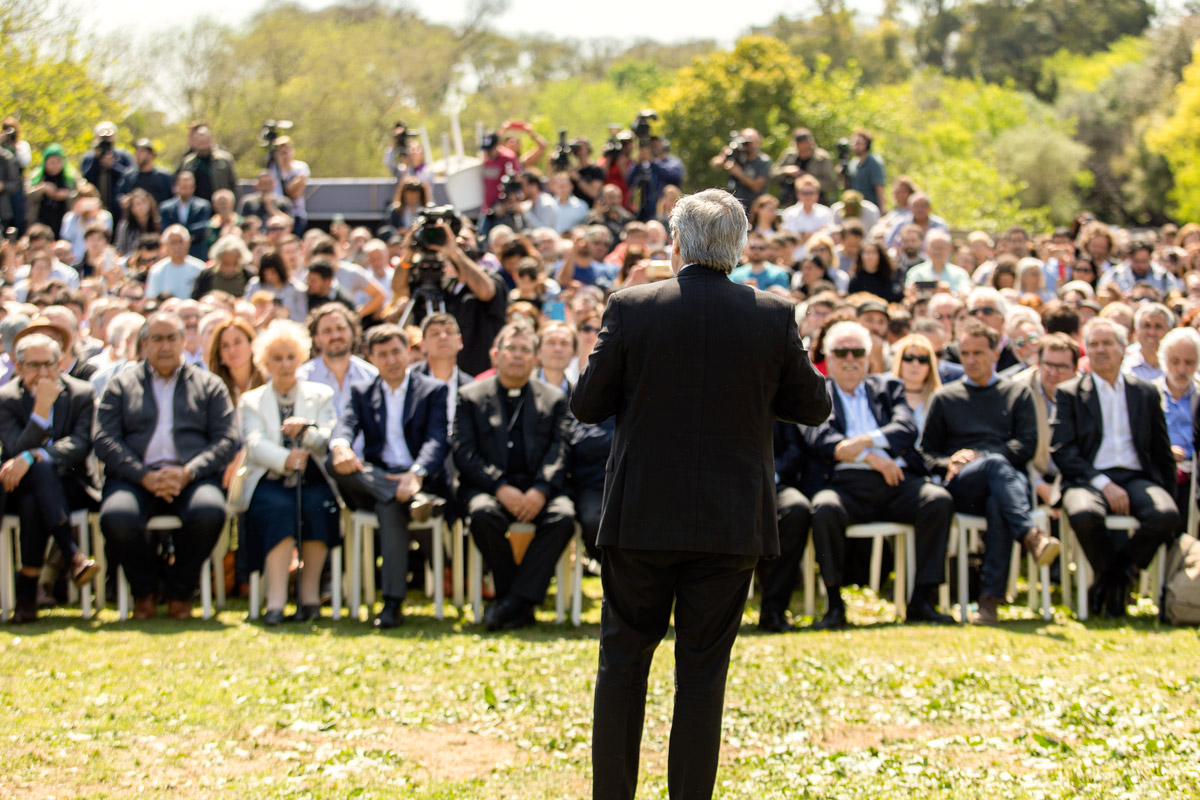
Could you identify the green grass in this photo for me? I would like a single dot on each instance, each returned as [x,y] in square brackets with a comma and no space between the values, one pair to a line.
[228,709]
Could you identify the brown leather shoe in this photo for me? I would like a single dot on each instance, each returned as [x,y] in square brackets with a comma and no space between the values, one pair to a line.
[83,569]
[27,607]
[989,606]
[1043,548]
[179,609]
[145,608]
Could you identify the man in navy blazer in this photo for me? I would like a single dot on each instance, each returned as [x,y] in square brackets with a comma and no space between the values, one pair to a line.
[872,473]
[402,417]
[189,211]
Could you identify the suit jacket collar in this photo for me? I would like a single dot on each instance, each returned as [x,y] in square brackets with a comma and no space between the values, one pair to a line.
[700,272]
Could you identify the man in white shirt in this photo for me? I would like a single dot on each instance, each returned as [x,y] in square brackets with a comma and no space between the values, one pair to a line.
[938,268]
[1110,443]
[335,331]
[1150,324]
[807,216]
[176,274]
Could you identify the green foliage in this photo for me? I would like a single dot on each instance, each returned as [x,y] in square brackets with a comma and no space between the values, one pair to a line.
[1177,139]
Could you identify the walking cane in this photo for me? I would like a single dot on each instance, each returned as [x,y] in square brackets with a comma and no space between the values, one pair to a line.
[298,477]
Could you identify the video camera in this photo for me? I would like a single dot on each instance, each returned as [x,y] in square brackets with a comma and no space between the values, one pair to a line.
[271,130]
[738,148]
[561,159]
[641,125]
[400,137]
[843,151]
[428,268]
[8,136]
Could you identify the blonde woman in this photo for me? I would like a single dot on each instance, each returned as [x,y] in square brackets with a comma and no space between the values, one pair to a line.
[915,363]
[286,426]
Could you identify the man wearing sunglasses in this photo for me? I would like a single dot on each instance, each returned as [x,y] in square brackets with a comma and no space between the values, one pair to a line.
[872,471]
[980,433]
[989,307]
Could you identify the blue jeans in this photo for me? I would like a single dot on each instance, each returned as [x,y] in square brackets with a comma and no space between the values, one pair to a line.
[993,488]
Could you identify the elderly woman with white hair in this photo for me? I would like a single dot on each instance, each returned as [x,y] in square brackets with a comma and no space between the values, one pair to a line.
[230,270]
[286,425]
[1024,330]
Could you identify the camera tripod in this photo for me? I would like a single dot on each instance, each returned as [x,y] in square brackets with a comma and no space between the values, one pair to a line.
[432,300]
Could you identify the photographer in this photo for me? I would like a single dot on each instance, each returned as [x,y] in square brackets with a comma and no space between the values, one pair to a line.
[655,169]
[748,168]
[476,297]
[588,177]
[291,179]
[803,157]
[500,157]
[11,141]
[405,158]
[618,158]
[105,166]
[10,185]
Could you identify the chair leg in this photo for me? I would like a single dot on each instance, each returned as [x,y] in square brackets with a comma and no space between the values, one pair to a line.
[84,534]
[475,578]
[101,581]
[356,570]
[335,567]
[963,591]
[1014,569]
[122,595]
[368,569]
[1047,611]
[439,567]
[456,563]
[206,598]
[560,595]
[809,566]
[876,563]
[8,600]
[577,579]
[900,597]
[255,594]
[1064,567]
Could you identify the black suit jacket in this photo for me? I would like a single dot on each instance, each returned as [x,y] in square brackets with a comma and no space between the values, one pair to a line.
[889,406]
[199,213]
[696,370]
[463,378]
[205,430]
[425,425]
[480,437]
[68,441]
[1078,428]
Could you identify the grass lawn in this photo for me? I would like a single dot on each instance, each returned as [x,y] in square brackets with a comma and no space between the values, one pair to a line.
[228,709]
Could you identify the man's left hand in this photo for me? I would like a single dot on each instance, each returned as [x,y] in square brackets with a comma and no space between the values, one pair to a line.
[13,471]
[407,485]
[535,501]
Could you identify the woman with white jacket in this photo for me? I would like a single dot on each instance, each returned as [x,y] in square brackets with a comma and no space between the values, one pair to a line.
[286,426]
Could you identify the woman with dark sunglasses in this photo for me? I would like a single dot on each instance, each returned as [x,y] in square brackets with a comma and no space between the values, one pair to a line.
[914,362]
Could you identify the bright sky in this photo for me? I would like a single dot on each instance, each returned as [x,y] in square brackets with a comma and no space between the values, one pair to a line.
[668,22]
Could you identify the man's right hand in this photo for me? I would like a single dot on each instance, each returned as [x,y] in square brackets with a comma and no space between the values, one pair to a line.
[1117,499]
[958,461]
[889,469]
[45,392]
[344,460]
[161,484]
[512,498]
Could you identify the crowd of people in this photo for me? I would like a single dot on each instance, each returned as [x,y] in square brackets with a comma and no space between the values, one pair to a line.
[218,355]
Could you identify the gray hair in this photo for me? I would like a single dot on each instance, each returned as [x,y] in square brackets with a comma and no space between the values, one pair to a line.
[230,242]
[1118,330]
[281,330]
[987,293]
[162,316]
[10,326]
[122,326]
[1146,309]
[177,230]
[847,328]
[373,245]
[935,235]
[38,340]
[1083,287]
[1175,336]
[1019,316]
[710,227]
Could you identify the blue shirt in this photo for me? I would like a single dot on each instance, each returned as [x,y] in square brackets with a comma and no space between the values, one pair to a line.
[1179,416]
[771,275]
[859,422]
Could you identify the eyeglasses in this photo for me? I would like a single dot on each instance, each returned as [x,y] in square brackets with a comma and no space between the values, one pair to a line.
[1021,341]
[984,310]
[909,358]
[588,329]
[1081,268]
[944,317]
[277,227]
[38,366]
[1052,367]
[756,247]
[847,352]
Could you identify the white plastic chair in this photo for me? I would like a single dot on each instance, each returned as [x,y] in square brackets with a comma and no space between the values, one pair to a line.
[10,529]
[166,522]
[877,532]
[362,561]
[573,584]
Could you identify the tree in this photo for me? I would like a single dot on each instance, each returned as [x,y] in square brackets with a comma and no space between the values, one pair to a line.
[1177,140]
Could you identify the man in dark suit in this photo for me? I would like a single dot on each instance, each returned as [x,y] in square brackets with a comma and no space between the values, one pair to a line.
[510,441]
[402,418]
[794,515]
[873,472]
[1110,444]
[165,432]
[45,429]
[696,370]
[190,211]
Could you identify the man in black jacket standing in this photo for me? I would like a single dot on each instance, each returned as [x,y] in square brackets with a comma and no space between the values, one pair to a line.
[696,370]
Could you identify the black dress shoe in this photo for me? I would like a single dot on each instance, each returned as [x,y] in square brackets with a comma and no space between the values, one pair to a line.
[391,616]
[834,620]
[925,611]
[1117,600]
[497,615]
[521,617]
[772,620]
[306,613]
[273,617]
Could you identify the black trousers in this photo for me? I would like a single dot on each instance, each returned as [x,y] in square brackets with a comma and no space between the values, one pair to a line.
[123,514]
[588,505]
[1153,507]
[855,496]
[554,528]
[44,500]
[370,490]
[708,593]
[779,575]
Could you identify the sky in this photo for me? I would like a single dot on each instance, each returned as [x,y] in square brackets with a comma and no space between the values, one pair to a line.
[666,22]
